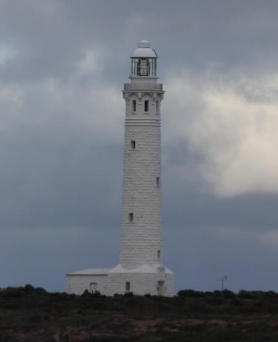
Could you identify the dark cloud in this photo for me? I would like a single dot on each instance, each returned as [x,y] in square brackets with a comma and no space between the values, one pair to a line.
[51,37]
[186,203]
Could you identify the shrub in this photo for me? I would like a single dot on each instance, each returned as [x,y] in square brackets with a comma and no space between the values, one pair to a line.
[190,293]
[228,294]
[29,288]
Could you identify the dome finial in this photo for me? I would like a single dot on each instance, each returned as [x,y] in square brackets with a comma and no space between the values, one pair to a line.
[144,44]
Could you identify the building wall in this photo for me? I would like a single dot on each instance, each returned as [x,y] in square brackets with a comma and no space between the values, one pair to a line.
[77,284]
[141,240]
[140,283]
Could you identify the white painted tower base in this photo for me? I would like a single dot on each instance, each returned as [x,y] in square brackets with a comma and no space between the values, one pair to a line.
[143,280]
[141,270]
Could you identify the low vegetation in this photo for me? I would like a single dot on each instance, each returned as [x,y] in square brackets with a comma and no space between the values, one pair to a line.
[32,314]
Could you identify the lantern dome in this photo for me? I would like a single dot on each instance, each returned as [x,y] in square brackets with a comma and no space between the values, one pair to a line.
[144,50]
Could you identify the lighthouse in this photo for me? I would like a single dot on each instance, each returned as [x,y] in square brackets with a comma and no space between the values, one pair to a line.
[141,236]
[140,269]
[141,239]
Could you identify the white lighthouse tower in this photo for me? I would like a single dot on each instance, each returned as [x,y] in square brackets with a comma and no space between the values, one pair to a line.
[141,269]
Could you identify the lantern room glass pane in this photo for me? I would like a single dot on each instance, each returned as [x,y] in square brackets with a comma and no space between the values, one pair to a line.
[143,67]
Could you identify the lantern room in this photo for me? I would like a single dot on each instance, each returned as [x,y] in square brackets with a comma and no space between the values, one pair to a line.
[143,61]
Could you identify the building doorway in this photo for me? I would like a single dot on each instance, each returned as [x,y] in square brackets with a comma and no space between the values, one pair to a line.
[93,287]
[161,288]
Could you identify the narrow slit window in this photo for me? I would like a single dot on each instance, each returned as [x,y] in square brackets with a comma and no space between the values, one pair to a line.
[133,144]
[156,106]
[134,105]
[146,106]
[158,254]
[127,286]
[158,182]
[130,217]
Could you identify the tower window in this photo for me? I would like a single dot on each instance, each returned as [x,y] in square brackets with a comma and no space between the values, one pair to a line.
[127,286]
[158,254]
[134,105]
[146,106]
[130,217]
[156,106]
[158,182]
[133,144]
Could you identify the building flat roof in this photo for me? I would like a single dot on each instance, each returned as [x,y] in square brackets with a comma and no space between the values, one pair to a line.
[91,271]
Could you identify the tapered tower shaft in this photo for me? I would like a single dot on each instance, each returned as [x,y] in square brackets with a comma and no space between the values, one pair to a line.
[141,240]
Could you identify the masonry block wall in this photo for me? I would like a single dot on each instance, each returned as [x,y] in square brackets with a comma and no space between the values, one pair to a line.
[77,284]
[141,241]
[141,283]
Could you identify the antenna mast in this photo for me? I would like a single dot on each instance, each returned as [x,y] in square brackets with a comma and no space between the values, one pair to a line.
[223,279]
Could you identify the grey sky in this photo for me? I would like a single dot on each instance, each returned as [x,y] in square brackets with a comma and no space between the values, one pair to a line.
[62,68]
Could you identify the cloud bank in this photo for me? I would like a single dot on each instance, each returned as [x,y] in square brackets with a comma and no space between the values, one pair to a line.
[232,124]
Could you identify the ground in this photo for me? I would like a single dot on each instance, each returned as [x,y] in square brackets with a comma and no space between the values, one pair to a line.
[33,315]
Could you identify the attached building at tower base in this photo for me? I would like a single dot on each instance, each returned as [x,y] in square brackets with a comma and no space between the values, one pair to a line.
[140,281]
